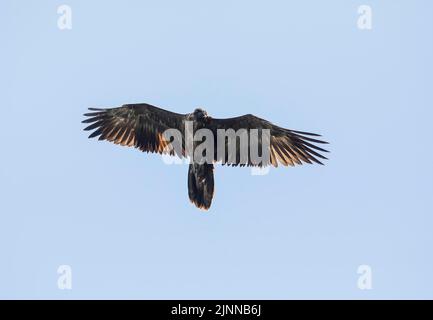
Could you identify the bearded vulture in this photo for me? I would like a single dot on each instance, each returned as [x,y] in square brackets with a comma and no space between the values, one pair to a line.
[142,126]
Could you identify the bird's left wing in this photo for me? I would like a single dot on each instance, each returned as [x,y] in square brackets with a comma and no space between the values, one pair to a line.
[135,125]
[287,147]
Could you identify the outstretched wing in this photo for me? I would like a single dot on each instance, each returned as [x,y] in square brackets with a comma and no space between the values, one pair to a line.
[134,125]
[287,147]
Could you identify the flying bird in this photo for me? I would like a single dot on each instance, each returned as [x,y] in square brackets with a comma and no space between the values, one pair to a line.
[142,126]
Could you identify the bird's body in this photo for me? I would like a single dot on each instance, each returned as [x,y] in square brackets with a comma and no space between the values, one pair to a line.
[145,127]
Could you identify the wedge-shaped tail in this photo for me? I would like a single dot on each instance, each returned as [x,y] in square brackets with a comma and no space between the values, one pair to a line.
[201,184]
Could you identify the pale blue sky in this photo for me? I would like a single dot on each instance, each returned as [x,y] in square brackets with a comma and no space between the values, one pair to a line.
[122,219]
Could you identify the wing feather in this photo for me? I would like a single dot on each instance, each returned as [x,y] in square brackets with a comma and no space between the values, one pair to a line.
[134,125]
[287,147]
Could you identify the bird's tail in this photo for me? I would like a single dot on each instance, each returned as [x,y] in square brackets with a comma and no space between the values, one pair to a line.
[201,184]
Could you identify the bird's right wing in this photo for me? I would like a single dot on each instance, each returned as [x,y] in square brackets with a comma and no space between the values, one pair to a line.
[135,125]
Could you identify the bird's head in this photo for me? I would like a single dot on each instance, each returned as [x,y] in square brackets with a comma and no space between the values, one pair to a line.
[200,114]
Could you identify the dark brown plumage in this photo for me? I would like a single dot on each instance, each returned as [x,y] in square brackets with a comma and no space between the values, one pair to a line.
[142,126]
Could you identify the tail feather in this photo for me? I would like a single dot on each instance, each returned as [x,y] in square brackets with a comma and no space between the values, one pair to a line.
[201,185]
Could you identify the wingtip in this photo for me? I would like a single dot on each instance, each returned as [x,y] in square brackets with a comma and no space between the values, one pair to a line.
[306,133]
